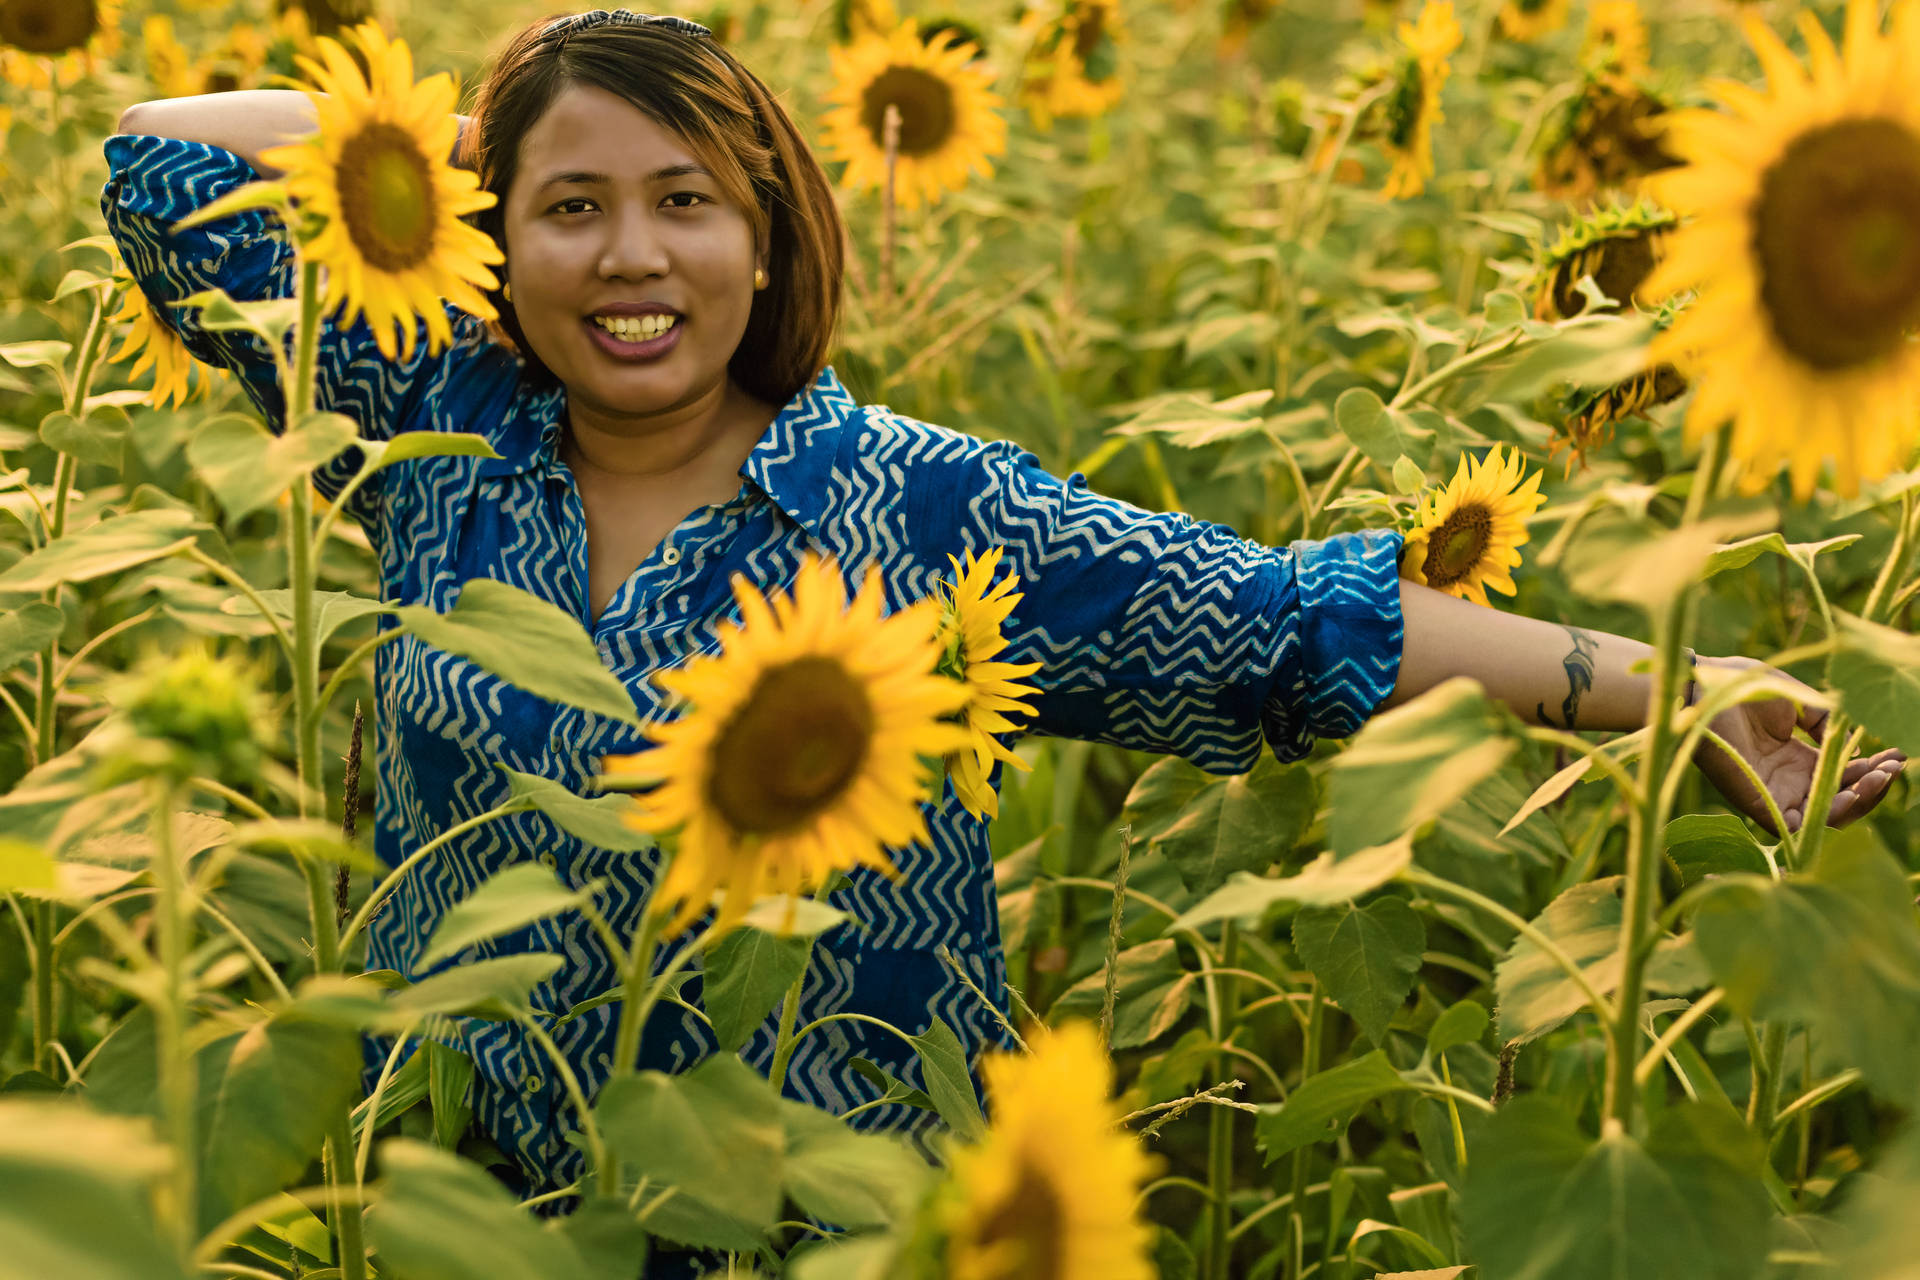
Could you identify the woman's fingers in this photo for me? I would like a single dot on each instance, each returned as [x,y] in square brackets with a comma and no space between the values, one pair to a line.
[1814,720]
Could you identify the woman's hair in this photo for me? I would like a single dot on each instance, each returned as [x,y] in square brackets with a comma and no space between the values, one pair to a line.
[692,86]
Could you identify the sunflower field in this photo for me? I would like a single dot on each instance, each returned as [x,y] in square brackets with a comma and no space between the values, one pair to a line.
[1610,308]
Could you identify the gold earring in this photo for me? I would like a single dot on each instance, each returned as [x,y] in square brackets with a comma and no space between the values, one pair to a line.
[506,292]
[759,278]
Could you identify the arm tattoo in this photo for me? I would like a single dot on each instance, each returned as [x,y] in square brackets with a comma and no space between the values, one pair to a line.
[1579,668]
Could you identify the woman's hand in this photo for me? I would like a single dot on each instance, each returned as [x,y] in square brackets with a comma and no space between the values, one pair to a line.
[1762,733]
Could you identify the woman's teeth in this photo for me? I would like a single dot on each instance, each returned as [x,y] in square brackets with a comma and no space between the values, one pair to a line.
[636,328]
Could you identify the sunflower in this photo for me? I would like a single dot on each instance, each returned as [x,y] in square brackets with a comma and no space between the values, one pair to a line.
[389,205]
[1590,415]
[970,619]
[1413,108]
[1616,41]
[1618,246]
[855,19]
[1073,66]
[158,347]
[1531,19]
[1051,1189]
[47,41]
[1608,137]
[1466,534]
[948,125]
[167,59]
[801,754]
[1804,246]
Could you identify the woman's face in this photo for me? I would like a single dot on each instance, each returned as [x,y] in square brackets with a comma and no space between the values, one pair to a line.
[609,212]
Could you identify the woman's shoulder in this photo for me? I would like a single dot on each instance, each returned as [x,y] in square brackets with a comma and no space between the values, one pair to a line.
[882,433]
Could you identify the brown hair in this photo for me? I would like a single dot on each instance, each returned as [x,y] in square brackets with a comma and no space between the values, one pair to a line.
[691,85]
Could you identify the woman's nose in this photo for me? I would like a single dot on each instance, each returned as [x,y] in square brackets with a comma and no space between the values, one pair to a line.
[634,248]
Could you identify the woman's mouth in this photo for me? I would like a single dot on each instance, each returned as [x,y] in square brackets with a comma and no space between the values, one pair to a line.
[645,337]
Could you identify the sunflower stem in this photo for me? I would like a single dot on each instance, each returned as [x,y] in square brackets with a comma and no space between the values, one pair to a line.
[1221,1006]
[635,1004]
[175,1066]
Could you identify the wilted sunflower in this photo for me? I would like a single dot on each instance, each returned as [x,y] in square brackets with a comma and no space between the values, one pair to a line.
[1804,244]
[1466,534]
[1531,19]
[1051,1189]
[1589,415]
[1073,69]
[801,753]
[1413,108]
[42,41]
[948,125]
[158,347]
[376,176]
[1616,42]
[1618,246]
[971,616]
[1608,137]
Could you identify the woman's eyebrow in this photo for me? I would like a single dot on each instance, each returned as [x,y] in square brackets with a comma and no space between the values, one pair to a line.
[585,177]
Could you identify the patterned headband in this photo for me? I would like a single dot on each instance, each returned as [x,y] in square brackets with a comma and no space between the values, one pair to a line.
[564,28]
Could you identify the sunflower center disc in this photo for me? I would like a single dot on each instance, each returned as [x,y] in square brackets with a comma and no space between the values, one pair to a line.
[46,27]
[1025,1236]
[791,748]
[1836,231]
[1619,266]
[386,197]
[926,109]
[1457,546]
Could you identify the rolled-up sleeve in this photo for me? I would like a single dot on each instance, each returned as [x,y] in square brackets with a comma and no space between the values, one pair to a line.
[1163,633]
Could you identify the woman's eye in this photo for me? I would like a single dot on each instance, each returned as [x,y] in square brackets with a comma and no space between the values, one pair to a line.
[562,206]
[687,195]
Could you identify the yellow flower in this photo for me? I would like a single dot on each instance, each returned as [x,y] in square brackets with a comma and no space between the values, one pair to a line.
[44,41]
[1616,42]
[853,19]
[1531,19]
[1414,106]
[376,176]
[158,347]
[1608,137]
[802,751]
[1591,415]
[1467,534]
[1804,245]
[1617,246]
[969,638]
[167,59]
[948,125]
[1050,1191]
[1072,69]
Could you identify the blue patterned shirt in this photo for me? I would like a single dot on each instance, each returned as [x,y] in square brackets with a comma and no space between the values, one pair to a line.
[1154,631]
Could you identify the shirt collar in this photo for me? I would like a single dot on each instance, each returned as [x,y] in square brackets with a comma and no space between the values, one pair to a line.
[793,464]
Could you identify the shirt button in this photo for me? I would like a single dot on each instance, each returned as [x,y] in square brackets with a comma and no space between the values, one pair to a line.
[546,859]
[531,1085]
[671,555]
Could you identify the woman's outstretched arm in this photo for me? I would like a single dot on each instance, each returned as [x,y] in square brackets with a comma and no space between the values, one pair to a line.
[1577,678]
[244,121]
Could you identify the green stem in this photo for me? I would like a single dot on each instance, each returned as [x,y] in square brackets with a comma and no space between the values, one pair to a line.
[1767,1070]
[175,1066]
[392,880]
[1309,1067]
[1221,1005]
[1342,473]
[634,1007]
[343,1210]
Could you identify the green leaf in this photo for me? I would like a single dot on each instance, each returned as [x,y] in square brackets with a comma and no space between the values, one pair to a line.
[1463,1023]
[896,1090]
[98,438]
[76,1194]
[45,354]
[1408,476]
[1876,671]
[493,988]
[444,1218]
[1325,881]
[405,1088]
[1585,353]
[26,868]
[1835,948]
[248,467]
[1738,555]
[304,840]
[1636,561]
[597,820]
[408,445]
[271,319]
[713,1133]
[78,279]
[1365,958]
[332,609]
[790,916]
[1244,823]
[847,1178]
[1409,764]
[526,642]
[116,543]
[745,975]
[1541,1199]
[27,630]
[612,1244]
[1160,796]
[1383,433]
[1712,844]
[449,1085]
[510,899]
[1321,1108]
[1536,995]
[943,1067]
[1152,993]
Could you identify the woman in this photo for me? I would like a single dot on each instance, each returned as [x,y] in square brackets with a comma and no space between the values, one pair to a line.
[641,171]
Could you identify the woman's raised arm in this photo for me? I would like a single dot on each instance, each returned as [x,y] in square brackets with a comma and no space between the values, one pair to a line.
[244,121]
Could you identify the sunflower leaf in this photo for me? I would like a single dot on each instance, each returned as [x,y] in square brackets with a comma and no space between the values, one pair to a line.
[1326,881]
[431,1203]
[248,467]
[510,899]
[1319,1110]
[97,438]
[943,1067]
[116,543]
[1383,433]
[27,630]
[409,445]
[746,974]
[595,819]
[265,194]
[1365,957]
[1876,670]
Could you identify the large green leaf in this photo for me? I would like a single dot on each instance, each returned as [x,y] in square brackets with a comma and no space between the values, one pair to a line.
[332,609]
[744,976]
[1152,991]
[1536,995]
[1712,844]
[1320,1109]
[1836,948]
[598,820]
[1639,562]
[75,1195]
[449,1086]
[1876,670]
[1409,764]
[510,899]
[1365,957]
[494,988]
[409,445]
[248,467]
[116,543]
[847,1178]
[1379,431]
[1738,555]
[527,642]
[1160,796]
[98,438]
[444,1218]
[1324,882]
[715,1134]
[27,630]
[943,1068]
[1544,1200]
[1244,823]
